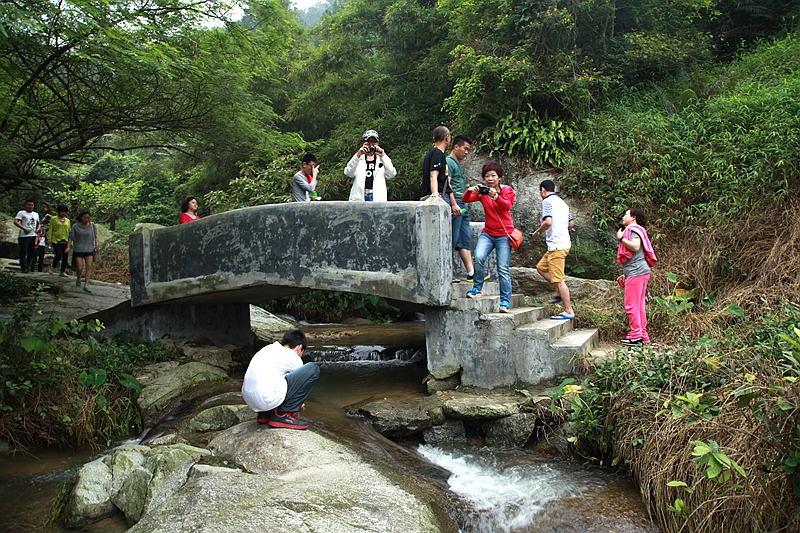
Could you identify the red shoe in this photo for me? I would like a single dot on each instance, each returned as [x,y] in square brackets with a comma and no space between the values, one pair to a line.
[286,420]
[263,416]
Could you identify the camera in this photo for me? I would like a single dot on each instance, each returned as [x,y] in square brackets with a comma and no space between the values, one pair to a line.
[371,148]
[483,189]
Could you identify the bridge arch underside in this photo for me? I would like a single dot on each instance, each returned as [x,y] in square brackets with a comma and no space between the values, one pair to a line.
[198,279]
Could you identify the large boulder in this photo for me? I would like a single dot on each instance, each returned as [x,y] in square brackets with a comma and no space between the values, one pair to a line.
[529,282]
[131,479]
[171,382]
[90,499]
[268,327]
[297,481]
[395,417]
[220,417]
[511,431]
[479,408]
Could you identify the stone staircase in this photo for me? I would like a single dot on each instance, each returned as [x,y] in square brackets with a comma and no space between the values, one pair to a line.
[493,349]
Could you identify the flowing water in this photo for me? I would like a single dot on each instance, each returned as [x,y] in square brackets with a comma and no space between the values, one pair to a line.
[504,491]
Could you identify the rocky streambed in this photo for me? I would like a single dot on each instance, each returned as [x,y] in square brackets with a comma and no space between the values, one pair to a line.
[206,465]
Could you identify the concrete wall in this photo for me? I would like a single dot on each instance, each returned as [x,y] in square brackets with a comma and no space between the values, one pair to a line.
[398,250]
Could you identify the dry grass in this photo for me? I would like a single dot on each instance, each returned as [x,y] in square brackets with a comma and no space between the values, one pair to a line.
[113,266]
[754,264]
[763,501]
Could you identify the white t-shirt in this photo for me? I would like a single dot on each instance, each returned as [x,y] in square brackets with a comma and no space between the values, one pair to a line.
[558,232]
[28,220]
[264,386]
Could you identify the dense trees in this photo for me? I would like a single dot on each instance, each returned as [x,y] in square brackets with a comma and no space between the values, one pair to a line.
[241,101]
[80,76]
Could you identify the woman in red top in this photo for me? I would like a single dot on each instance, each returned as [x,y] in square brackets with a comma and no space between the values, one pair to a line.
[188,211]
[497,201]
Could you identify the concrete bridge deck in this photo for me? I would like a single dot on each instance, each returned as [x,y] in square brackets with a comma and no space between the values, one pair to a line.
[398,250]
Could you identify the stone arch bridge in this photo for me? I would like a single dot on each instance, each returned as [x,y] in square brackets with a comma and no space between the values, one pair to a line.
[198,279]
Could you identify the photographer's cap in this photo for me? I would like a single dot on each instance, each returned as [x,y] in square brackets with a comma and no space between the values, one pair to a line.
[371,134]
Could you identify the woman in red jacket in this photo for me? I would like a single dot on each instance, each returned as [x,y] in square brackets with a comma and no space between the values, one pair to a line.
[497,201]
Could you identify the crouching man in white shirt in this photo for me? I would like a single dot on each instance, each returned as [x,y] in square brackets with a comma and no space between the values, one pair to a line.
[277,382]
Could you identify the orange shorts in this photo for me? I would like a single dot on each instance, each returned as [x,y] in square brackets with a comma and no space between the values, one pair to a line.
[553,262]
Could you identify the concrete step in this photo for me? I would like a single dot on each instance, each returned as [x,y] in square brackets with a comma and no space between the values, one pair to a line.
[486,303]
[551,329]
[490,288]
[578,342]
[521,316]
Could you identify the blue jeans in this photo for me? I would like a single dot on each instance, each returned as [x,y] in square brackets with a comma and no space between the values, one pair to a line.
[298,386]
[487,243]
[368,197]
[462,237]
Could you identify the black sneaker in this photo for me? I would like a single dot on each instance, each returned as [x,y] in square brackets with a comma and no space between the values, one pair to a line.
[286,420]
[631,342]
[263,417]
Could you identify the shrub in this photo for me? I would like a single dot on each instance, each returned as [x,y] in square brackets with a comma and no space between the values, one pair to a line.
[707,428]
[60,385]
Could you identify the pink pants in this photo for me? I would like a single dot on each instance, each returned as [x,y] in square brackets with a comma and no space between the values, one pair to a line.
[635,291]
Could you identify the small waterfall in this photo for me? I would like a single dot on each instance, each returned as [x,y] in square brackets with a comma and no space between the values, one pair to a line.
[507,491]
[328,354]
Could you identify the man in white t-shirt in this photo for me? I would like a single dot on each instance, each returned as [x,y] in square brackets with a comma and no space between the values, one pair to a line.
[277,382]
[27,221]
[556,223]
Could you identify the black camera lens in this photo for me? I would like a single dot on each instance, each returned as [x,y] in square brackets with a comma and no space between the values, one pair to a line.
[483,189]
[371,148]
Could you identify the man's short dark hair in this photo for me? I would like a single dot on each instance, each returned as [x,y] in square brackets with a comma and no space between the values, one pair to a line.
[440,133]
[639,215]
[295,338]
[309,158]
[30,200]
[462,139]
[61,209]
[548,185]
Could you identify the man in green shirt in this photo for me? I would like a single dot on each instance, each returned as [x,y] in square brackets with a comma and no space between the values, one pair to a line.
[462,237]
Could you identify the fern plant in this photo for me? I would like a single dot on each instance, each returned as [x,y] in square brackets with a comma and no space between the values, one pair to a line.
[541,139]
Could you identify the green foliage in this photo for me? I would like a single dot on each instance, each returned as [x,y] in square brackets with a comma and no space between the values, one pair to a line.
[718,466]
[331,306]
[540,140]
[750,376]
[82,76]
[59,384]
[697,165]
[679,302]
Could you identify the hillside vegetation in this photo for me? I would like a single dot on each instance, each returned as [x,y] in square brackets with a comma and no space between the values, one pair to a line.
[689,109]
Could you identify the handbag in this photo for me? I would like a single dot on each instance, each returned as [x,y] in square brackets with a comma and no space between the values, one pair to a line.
[515,238]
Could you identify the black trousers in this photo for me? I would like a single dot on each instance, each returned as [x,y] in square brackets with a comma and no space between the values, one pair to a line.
[26,251]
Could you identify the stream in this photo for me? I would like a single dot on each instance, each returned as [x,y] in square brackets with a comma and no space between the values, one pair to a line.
[505,490]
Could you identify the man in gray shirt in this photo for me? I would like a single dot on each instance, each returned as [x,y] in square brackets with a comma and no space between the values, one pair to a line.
[305,181]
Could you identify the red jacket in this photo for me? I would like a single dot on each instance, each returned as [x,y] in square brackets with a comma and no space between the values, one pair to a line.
[497,212]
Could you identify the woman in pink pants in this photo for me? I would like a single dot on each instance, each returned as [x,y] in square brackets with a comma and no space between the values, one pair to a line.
[636,256]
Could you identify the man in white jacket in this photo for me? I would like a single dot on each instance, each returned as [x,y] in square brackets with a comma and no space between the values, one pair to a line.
[371,167]
[277,382]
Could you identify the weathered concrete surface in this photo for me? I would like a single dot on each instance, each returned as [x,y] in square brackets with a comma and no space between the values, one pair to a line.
[398,250]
